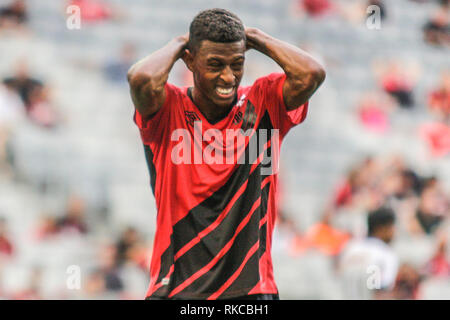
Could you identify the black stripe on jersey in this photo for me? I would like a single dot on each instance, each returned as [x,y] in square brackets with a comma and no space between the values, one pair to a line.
[204,251]
[166,263]
[247,275]
[212,280]
[247,279]
[151,166]
[263,229]
[228,265]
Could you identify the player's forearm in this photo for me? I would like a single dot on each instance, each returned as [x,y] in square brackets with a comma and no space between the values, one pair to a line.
[155,68]
[303,73]
[148,77]
[295,62]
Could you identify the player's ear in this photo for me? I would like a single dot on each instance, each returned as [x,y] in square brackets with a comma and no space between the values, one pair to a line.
[188,59]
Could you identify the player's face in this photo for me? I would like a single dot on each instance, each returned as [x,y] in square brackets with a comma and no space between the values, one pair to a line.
[388,233]
[218,69]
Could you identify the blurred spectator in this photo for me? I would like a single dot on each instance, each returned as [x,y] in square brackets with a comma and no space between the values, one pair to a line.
[11,107]
[343,195]
[73,220]
[23,83]
[412,183]
[439,265]
[373,112]
[94,287]
[399,81]
[399,181]
[131,248]
[11,112]
[113,282]
[437,29]
[116,70]
[96,10]
[358,178]
[439,98]
[46,227]
[437,136]
[126,241]
[14,15]
[6,247]
[370,257]
[34,95]
[433,207]
[106,277]
[42,111]
[406,284]
[322,237]
[314,8]
[375,183]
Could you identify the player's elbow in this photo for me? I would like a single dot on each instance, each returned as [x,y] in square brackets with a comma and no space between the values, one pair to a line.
[309,81]
[138,81]
[316,76]
[319,75]
[129,75]
[135,77]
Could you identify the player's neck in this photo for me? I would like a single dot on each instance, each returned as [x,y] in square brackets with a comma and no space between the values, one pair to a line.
[210,111]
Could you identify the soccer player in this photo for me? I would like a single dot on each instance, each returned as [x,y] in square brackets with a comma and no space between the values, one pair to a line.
[369,266]
[216,199]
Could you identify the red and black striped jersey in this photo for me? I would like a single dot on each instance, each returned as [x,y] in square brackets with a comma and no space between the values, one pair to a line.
[215,187]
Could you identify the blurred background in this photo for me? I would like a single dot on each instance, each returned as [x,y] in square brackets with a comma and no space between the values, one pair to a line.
[74,186]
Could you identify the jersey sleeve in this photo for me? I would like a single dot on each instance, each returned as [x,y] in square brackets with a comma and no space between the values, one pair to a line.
[152,128]
[269,93]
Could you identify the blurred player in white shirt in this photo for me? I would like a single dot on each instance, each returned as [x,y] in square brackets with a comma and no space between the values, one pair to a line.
[368,267]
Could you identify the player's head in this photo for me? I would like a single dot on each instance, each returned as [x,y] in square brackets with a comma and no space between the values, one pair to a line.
[381,224]
[215,55]
[216,25]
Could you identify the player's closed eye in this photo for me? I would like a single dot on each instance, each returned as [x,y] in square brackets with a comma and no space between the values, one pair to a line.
[237,66]
[215,66]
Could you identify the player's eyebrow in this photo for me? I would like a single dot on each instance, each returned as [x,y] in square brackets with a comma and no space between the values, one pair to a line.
[221,60]
[214,59]
[239,58]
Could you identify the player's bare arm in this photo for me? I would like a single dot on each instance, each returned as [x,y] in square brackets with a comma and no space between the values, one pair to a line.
[148,76]
[304,74]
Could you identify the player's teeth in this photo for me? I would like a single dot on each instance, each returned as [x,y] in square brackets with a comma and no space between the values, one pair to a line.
[224,91]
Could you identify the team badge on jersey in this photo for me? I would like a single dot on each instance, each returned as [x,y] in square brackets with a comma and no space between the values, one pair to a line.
[191,117]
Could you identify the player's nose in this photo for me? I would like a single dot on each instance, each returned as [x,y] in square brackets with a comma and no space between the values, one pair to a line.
[227,76]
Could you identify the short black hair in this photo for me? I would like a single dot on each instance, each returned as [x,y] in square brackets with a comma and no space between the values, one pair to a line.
[381,217]
[217,25]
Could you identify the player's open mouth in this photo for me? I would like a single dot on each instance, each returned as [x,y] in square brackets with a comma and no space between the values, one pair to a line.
[225,93]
